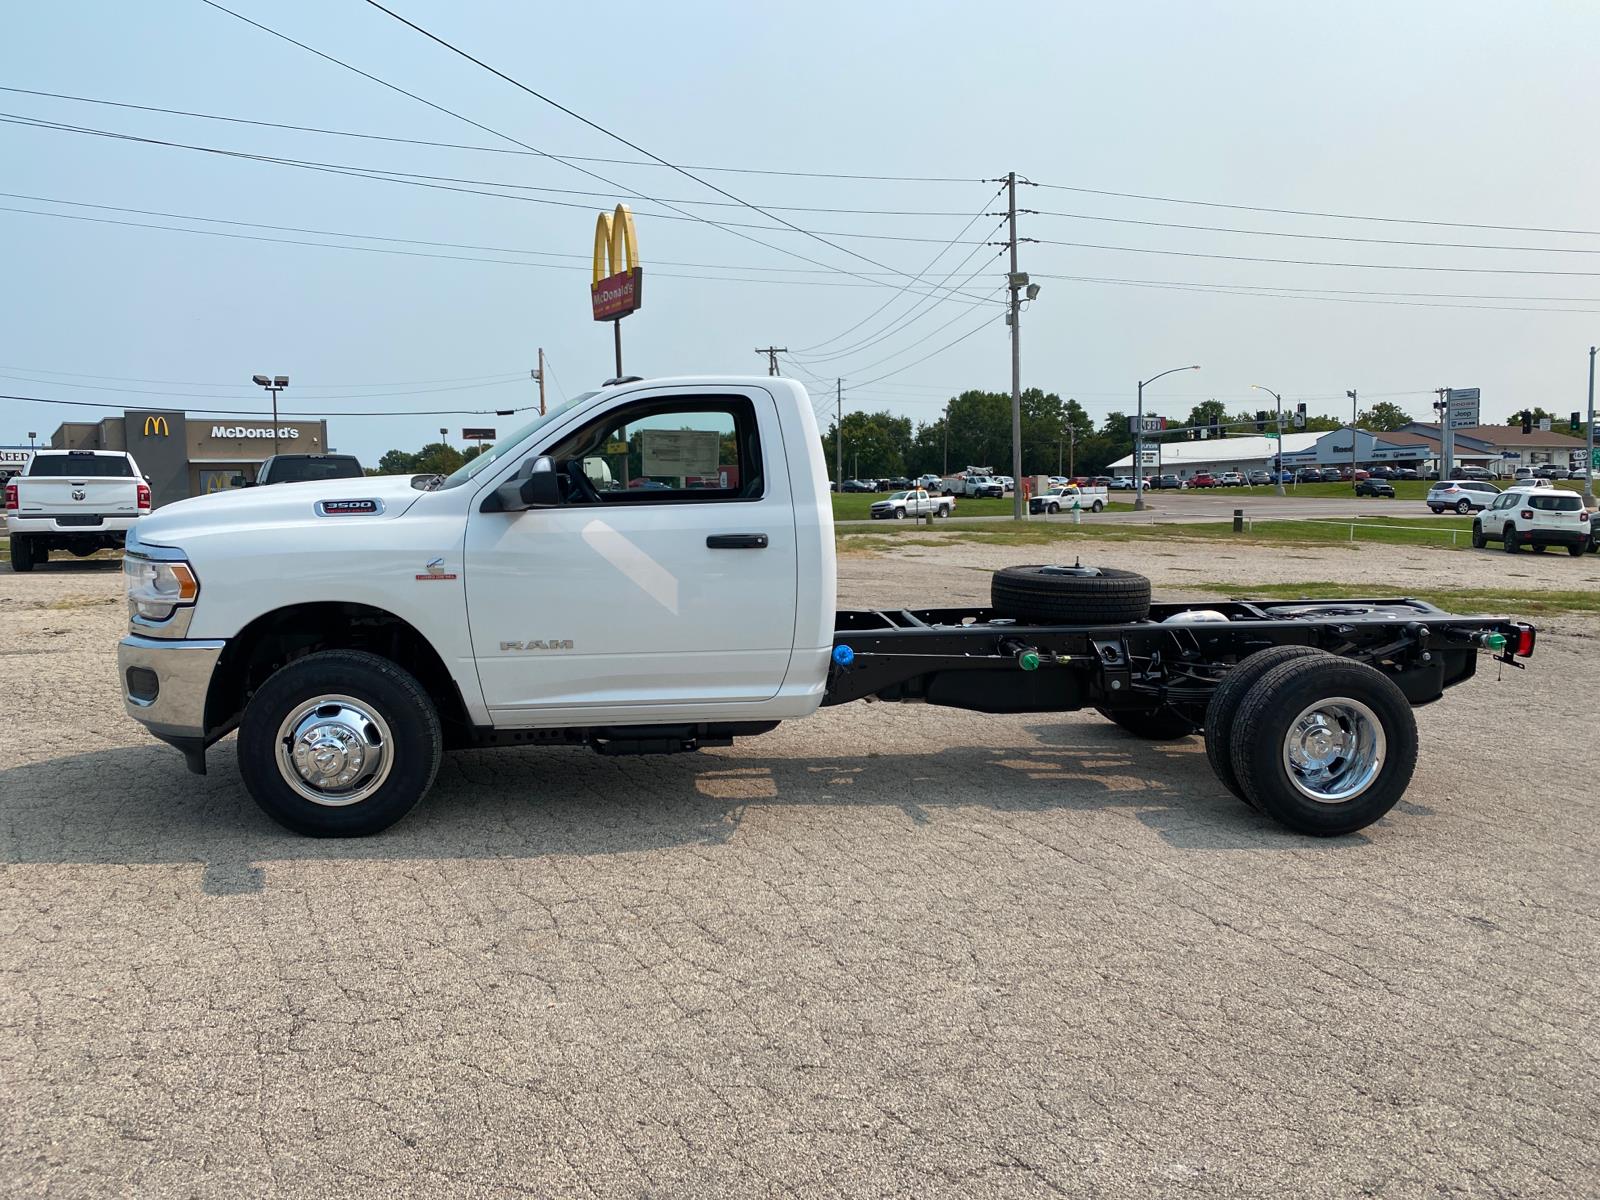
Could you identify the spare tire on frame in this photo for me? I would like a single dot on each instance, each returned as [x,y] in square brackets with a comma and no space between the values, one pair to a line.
[1053,595]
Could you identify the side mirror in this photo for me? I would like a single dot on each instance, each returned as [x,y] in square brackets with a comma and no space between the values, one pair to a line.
[237,481]
[536,485]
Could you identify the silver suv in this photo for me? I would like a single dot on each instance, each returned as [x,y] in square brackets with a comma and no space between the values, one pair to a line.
[1463,495]
[1536,517]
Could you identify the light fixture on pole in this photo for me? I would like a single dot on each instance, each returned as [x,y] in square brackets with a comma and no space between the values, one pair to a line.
[274,384]
[1277,470]
[1138,438]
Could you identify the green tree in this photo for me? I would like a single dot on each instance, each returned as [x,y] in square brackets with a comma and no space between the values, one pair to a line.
[438,458]
[397,462]
[1538,414]
[1384,417]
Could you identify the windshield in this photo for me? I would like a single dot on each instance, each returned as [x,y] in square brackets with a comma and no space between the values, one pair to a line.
[303,470]
[507,444]
[899,495]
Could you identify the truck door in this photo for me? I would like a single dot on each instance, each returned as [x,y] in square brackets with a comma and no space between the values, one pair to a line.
[668,578]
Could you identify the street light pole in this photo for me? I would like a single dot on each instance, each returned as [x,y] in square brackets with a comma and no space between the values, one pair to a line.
[273,384]
[1138,439]
[1277,470]
[1352,396]
[1588,467]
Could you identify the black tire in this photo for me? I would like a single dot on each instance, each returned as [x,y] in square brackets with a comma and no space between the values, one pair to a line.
[1576,549]
[1261,735]
[415,742]
[1047,595]
[81,551]
[1463,507]
[1436,509]
[1508,538]
[944,510]
[899,514]
[22,557]
[1478,540]
[1223,708]
[1539,547]
[1164,724]
[1098,505]
[1053,509]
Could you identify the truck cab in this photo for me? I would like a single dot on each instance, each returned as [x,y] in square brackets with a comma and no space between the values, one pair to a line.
[535,590]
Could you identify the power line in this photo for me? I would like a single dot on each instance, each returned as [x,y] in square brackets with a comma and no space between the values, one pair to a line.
[378,137]
[598,128]
[517,142]
[1298,262]
[966,298]
[1336,216]
[1267,295]
[943,250]
[1316,237]
[256,412]
[484,380]
[98,387]
[1331,291]
[889,374]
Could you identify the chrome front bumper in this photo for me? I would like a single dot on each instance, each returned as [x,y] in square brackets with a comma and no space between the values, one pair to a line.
[165,682]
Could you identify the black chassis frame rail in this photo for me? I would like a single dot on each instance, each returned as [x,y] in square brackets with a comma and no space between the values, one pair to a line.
[975,659]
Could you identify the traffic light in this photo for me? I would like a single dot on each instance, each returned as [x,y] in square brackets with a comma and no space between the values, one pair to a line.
[1527,422]
[1216,429]
[1576,422]
[1261,421]
[1300,416]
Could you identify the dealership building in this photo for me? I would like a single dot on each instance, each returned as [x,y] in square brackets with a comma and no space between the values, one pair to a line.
[192,456]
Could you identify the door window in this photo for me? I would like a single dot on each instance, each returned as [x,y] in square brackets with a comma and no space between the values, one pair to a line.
[665,451]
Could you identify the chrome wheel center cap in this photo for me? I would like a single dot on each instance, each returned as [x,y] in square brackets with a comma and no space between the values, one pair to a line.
[329,755]
[334,750]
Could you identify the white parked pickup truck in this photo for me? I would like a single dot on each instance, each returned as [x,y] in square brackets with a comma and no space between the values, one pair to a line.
[649,569]
[917,502]
[79,501]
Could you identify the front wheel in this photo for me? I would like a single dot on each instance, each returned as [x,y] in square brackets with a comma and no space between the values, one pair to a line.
[899,514]
[340,743]
[1324,747]
[1478,540]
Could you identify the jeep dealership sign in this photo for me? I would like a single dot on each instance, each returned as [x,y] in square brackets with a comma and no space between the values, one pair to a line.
[253,431]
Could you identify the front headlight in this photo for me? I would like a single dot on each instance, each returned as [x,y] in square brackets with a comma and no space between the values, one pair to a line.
[155,588]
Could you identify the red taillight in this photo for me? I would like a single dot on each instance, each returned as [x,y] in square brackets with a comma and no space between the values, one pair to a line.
[1524,642]
[1527,514]
[144,497]
[1583,516]
[11,495]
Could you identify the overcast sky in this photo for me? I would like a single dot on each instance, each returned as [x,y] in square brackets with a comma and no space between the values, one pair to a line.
[1452,112]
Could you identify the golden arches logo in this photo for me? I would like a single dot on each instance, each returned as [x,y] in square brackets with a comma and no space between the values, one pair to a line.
[156,427]
[615,289]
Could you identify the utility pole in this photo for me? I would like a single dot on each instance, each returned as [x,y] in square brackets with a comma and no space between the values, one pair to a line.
[1015,284]
[1352,396]
[947,436]
[838,430]
[1589,466]
[538,376]
[772,353]
[1446,438]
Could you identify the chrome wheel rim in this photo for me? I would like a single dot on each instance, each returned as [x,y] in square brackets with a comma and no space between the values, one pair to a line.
[334,750]
[1334,750]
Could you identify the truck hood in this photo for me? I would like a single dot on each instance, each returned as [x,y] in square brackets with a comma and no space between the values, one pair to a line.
[379,498]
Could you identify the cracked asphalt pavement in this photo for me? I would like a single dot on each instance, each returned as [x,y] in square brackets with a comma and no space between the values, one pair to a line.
[890,951]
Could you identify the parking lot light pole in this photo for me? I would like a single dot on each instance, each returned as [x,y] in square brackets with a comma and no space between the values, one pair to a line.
[1589,466]
[1138,439]
[1277,470]
[275,384]
[1352,396]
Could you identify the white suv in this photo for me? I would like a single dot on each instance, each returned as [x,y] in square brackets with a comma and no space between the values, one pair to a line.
[1536,517]
[1463,495]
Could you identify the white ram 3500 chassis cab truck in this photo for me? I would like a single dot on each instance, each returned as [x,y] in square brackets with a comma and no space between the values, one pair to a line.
[650,569]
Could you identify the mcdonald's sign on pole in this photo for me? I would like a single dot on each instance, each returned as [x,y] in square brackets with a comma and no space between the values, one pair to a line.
[616,287]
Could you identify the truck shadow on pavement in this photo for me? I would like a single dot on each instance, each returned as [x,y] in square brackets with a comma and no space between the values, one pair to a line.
[138,804]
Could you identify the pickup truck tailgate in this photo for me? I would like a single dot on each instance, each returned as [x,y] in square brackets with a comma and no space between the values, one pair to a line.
[77,495]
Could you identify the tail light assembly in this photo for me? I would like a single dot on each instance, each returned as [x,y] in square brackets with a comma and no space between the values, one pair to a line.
[11,496]
[144,497]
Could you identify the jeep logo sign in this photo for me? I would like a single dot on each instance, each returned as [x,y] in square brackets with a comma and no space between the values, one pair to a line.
[253,431]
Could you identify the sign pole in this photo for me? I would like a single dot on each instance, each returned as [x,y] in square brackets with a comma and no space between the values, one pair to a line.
[616,337]
[1589,471]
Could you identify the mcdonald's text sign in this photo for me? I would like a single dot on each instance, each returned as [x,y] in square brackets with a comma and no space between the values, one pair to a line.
[617,284]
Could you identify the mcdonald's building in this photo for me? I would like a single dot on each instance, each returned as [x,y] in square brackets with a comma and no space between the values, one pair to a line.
[192,456]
